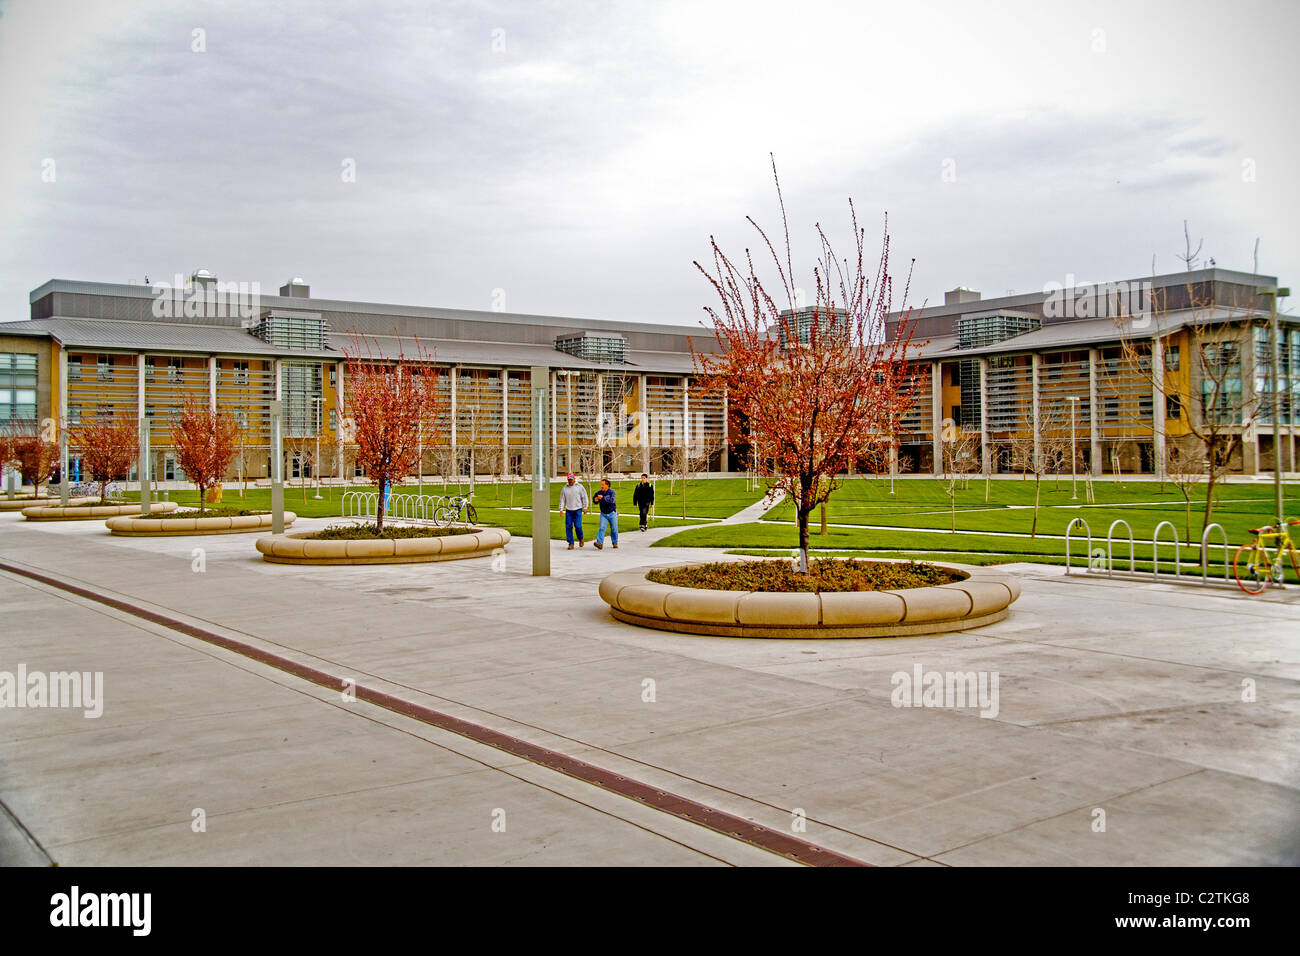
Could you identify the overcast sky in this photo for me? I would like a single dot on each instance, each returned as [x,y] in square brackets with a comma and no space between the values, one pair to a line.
[578,156]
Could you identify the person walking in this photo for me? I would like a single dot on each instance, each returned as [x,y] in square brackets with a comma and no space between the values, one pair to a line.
[644,497]
[608,502]
[573,502]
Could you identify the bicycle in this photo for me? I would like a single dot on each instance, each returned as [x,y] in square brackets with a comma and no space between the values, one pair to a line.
[459,505]
[1263,564]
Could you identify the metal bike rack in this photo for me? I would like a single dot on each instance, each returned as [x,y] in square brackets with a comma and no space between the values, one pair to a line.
[1110,533]
[409,509]
[1155,549]
[1087,564]
[1205,553]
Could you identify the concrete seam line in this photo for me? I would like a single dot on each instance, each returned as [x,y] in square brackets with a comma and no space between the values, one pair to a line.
[730,825]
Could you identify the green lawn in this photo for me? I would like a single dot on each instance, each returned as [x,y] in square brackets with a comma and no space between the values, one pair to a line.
[915,522]
[865,518]
[507,505]
[923,503]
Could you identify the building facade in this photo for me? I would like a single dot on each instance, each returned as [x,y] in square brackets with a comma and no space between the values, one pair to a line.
[1117,373]
[623,398]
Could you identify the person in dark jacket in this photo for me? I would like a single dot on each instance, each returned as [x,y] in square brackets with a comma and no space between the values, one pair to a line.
[644,497]
[608,502]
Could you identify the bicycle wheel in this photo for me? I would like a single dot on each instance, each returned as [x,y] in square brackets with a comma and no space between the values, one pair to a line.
[1252,568]
[471,514]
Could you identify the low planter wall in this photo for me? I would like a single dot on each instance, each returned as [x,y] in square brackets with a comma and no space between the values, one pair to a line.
[28,501]
[300,548]
[129,525]
[87,512]
[982,597]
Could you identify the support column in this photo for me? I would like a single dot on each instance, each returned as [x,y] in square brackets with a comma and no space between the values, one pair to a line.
[726,435]
[62,425]
[1034,412]
[542,467]
[936,417]
[643,428]
[553,379]
[455,458]
[1094,418]
[277,461]
[986,453]
[142,450]
[686,417]
[1158,406]
[505,421]
[212,382]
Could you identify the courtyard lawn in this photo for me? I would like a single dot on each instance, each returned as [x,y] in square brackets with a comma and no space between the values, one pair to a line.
[499,504]
[922,503]
[863,518]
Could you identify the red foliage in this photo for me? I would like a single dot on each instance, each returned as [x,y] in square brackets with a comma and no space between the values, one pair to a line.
[35,457]
[204,441]
[107,446]
[811,399]
[387,401]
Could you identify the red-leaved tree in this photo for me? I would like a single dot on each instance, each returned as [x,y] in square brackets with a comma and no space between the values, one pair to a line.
[204,440]
[386,402]
[813,387]
[35,456]
[107,446]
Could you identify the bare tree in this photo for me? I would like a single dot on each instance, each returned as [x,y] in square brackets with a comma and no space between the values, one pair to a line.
[1041,448]
[961,459]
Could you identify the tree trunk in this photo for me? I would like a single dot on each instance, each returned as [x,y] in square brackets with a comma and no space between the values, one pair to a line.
[379,507]
[202,493]
[1038,484]
[803,539]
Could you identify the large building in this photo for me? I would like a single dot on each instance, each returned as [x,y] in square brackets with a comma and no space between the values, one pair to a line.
[1121,366]
[622,396]
[1122,372]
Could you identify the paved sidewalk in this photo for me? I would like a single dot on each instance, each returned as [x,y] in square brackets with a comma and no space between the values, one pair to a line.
[1114,696]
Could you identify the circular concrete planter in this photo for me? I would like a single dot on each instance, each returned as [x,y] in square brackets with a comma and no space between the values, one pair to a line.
[136,526]
[300,548]
[88,511]
[982,597]
[27,501]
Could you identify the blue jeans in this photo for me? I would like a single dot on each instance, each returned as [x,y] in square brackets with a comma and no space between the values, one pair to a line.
[573,522]
[610,519]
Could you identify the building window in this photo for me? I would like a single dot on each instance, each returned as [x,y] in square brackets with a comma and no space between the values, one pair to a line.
[334,376]
[241,373]
[174,370]
[17,387]
[74,414]
[1173,358]
[74,368]
[104,368]
[1173,406]
[334,420]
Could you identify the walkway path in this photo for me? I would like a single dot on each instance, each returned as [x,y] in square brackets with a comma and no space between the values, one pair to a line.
[1119,696]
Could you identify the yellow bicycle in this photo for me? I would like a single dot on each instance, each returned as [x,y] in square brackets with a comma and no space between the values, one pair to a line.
[1259,563]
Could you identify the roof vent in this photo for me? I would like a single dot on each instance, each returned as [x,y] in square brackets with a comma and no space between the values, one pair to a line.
[203,279]
[296,288]
[959,295]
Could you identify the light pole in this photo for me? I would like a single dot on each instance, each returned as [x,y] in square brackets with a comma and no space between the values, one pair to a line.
[1074,484]
[315,463]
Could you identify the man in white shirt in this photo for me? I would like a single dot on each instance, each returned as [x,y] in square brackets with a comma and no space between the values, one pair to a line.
[573,502]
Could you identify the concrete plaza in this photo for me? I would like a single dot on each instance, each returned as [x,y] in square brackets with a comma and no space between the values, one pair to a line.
[1169,713]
